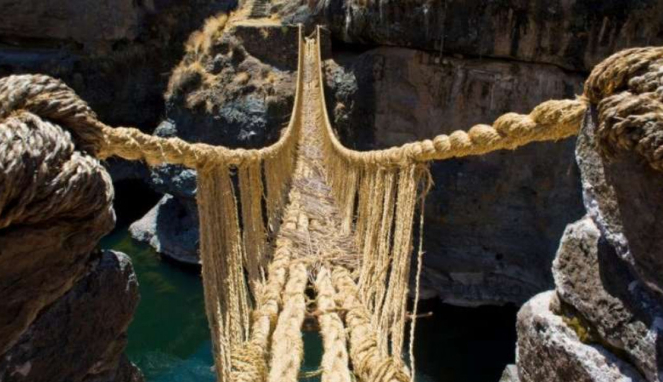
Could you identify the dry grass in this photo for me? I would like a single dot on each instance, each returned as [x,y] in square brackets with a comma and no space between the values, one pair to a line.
[241,78]
[199,42]
[185,78]
[270,76]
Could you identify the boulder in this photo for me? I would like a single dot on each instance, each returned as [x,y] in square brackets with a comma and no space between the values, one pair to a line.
[171,228]
[548,350]
[82,335]
[598,286]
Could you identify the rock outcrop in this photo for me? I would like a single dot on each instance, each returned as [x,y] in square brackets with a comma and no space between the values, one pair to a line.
[235,87]
[607,295]
[82,335]
[65,307]
[549,350]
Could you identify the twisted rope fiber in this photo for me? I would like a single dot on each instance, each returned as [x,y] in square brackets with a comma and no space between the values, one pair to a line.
[49,173]
[44,178]
[628,90]
[287,343]
[335,357]
[369,363]
[249,361]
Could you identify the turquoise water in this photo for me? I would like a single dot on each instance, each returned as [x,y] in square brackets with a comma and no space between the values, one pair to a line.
[169,337]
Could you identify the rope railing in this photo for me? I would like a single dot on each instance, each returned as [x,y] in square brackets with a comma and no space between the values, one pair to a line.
[256,307]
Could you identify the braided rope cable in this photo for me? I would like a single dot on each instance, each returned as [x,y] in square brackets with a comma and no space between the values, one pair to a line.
[369,363]
[287,343]
[43,177]
[551,120]
[628,89]
[335,358]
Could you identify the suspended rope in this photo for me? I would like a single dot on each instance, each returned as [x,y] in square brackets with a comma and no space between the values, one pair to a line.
[304,212]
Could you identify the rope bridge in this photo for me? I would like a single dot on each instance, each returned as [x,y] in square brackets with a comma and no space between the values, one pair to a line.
[305,229]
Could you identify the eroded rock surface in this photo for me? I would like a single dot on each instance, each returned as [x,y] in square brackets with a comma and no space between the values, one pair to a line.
[592,279]
[82,335]
[574,34]
[608,296]
[237,91]
[548,350]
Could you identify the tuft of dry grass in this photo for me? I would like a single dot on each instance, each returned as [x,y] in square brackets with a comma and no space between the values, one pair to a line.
[200,41]
[241,78]
[270,77]
[185,78]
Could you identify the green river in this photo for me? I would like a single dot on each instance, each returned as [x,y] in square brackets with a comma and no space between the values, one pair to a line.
[169,338]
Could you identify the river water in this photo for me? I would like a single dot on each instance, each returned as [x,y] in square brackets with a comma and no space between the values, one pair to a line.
[169,338]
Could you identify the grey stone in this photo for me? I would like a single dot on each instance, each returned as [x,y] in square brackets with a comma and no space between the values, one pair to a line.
[548,350]
[593,280]
[624,197]
[171,228]
[510,374]
[81,334]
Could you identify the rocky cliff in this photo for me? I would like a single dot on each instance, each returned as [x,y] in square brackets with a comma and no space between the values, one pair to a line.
[604,320]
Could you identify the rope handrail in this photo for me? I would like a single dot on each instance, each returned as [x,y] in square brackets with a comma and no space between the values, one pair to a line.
[132,144]
[349,214]
[551,120]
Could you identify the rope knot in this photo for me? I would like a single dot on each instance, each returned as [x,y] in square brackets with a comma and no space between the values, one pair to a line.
[627,89]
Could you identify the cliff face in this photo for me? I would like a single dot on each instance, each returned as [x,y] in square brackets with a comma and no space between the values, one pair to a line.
[603,322]
[114,53]
[492,224]
[572,34]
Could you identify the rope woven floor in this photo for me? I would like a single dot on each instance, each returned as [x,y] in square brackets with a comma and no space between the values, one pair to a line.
[305,217]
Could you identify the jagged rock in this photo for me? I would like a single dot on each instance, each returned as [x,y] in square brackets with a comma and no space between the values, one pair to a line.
[573,34]
[548,350]
[125,372]
[83,334]
[171,228]
[624,197]
[595,282]
[121,169]
[114,53]
[32,275]
[510,374]
[491,233]
[249,102]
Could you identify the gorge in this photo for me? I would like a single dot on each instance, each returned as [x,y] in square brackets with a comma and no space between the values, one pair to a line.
[395,72]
